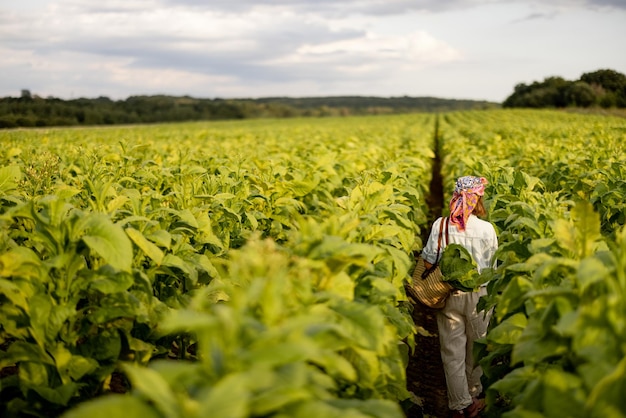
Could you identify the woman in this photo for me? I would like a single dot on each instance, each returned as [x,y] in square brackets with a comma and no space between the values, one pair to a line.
[458,322]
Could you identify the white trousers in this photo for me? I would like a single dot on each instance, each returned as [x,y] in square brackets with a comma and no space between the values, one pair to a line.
[459,325]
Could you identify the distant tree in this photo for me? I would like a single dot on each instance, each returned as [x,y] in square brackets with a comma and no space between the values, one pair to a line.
[551,92]
[609,79]
[613,86]
[606,88]
[580,94]
[26,95]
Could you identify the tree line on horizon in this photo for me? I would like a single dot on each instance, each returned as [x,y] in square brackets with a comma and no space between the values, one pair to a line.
[602,88]
[30,110]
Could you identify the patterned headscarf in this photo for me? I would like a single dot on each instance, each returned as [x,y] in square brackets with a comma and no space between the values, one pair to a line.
[464,199]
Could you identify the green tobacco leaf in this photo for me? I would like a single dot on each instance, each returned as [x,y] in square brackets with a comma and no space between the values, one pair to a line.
[108,241]
[14,294]
[458,267]
[59,395]
[281,353]
[341,253]
[21,351]
[186,219]
[336,366]
[379,408]
[149,249]
[607,397]
[41,305]
[537,344]
[107,345]
[161,238]
[20,262]
[514,383]
[513,296]
[587,223]
[581,235]
[590,271]
[71,367]
[509,331]
[229,398]
[563,395]
[113,283]
[319,408]
[113,406]
[117,305]
[9,178]
[179,372]
[152,386]
[566,235]
[364,323]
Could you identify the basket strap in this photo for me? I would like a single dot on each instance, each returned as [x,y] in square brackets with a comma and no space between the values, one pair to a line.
[440,237]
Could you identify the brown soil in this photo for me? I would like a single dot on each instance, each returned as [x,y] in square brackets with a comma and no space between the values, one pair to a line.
[425,376]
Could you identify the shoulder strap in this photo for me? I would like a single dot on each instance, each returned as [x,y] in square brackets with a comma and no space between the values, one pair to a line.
[441,236]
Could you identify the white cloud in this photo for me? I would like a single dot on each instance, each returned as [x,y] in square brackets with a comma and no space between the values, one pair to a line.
[251,48]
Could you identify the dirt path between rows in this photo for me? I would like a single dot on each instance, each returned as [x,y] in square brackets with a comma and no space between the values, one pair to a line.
[425,376]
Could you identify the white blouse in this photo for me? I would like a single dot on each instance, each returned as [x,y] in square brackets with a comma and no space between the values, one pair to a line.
[479,239]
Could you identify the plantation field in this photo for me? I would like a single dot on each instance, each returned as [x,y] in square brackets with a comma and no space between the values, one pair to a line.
[257,268]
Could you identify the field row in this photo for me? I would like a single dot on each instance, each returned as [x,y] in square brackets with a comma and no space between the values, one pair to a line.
[557,342]
[273,255]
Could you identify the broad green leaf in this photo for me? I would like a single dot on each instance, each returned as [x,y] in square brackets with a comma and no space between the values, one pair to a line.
[152,386]
[20,262]
[161,237]
[14,294]
[9,177]
[336,366]
[116,203]
[106,346]
[566,236]
[108,241]
[24,352]
[363,323]
[113,406]
[509,330]
[117,305]
[379,408]
[515,382]
[71,367]
[41,305]
[229,398]
[587,223]
[340,284]
[113,283]
[607,397]
[513,296]
[145,245]
[537,343]
[171,260]
[59,395]
[563,394]
[590,271]
[188,321]
[187,218]
[279,397]
[184,373]
[279,353]
[320,408]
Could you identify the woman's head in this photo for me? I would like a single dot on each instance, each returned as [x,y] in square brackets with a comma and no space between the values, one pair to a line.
[467,199]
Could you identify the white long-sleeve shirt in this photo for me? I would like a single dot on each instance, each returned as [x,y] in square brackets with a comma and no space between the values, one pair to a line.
[479,239]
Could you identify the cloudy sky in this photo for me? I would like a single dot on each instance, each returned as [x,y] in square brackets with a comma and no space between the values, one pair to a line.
[465,49]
